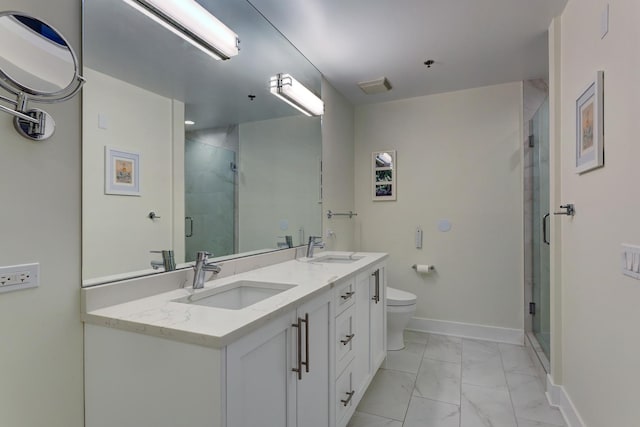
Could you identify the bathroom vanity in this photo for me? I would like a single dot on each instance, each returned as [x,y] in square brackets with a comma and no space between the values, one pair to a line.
[295,343]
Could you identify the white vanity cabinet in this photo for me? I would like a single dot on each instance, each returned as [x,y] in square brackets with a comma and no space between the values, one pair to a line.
[378,315]
[360,338]
[305,366]
[279,374]
[136,380]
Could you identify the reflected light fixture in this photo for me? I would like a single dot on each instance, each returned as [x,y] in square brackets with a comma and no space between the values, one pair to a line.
[193,23]
[296,94]
[189,122]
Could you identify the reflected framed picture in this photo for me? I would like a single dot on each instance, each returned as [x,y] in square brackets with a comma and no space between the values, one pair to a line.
[384,170]
[121,172]
[590,126]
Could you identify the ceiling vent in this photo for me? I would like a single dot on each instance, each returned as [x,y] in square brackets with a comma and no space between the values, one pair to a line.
[375,86]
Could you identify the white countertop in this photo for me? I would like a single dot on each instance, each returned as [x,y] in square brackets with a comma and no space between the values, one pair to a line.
[159,315]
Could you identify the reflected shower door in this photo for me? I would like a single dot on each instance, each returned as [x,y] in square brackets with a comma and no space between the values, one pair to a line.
[209,199]
[541,218]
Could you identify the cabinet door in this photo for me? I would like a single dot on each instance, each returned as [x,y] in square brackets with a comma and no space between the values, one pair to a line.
[260,389]
[362,367]
[377,315]
[312,390]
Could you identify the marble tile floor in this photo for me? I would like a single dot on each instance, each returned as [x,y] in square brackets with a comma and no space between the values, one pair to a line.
[442,381]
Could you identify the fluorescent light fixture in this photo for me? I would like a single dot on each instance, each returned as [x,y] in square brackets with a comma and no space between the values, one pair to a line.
[296,94]
[189,122]
[193,23]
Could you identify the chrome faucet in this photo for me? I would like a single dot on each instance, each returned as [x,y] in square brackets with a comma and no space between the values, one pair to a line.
[314,242]
[201,266]
[168,261]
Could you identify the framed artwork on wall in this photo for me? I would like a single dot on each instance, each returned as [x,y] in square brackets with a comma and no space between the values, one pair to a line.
[384,170]
[121,172]
[590,126]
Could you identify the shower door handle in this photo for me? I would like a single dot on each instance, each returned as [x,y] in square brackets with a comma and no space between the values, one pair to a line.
[544,228]
[190,233]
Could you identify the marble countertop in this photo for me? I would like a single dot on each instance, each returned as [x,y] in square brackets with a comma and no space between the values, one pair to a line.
[160,315]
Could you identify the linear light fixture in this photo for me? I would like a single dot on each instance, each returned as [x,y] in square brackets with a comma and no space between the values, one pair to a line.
[193,23]
[296,94]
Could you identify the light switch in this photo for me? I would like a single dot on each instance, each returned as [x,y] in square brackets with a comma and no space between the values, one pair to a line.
[631,260]
[103,121]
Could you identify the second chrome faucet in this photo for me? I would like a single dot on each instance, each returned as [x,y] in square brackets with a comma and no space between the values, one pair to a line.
[201,267]
[314,242]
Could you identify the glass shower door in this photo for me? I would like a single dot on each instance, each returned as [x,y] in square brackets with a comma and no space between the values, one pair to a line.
[540,308]
[209,199]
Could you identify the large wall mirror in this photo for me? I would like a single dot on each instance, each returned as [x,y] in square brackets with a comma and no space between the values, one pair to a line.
[205,158]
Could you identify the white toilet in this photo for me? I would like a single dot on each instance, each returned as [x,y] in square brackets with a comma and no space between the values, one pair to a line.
[401,306]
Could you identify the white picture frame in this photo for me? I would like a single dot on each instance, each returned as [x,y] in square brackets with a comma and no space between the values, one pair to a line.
[121,172]
[384,170]
[590,126]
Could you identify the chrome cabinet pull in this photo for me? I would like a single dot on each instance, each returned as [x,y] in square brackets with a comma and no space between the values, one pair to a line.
[348,340]
[376,297]
[346,401]
[306,345]
[347,295]
[299,368]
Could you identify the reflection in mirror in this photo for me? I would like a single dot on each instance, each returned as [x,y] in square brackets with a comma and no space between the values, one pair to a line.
[35,58]
[225,166]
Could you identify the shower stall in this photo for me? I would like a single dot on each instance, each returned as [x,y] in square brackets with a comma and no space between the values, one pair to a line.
[210,199]
[537,220]
[540,303]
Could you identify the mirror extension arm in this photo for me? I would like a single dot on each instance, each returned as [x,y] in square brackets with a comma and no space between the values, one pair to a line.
[18,114]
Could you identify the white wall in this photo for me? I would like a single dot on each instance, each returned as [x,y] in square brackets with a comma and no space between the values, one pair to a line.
[40,329]
[459,157]
[600,315]
[555,195]
[117,233]
[337,168]
[279,181]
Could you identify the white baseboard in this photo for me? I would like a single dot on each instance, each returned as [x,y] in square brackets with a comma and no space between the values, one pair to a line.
[467,330]
[558,397]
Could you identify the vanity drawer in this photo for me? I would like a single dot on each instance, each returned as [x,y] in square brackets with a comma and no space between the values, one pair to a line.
[345,396]
[344,295]
[345,337]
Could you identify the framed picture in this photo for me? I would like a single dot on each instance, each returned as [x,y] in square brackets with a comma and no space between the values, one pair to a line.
[121,172]
[384,169]
[590,126]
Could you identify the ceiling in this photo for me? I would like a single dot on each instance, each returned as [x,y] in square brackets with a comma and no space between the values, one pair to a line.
[473,42]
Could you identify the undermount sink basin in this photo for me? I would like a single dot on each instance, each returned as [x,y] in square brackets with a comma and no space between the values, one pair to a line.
[337,259]
[237,295]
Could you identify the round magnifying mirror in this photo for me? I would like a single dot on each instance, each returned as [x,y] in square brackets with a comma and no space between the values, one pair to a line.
[36,59]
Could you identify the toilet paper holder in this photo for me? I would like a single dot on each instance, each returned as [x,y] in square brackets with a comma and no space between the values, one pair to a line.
[415,267]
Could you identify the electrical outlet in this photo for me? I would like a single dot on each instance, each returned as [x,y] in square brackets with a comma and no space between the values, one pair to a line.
[18,277]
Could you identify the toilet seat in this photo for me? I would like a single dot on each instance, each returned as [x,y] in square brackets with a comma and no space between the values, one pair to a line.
[396,297]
